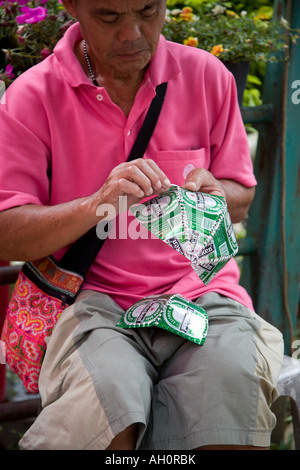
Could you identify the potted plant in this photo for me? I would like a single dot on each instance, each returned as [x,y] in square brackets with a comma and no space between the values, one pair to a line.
[29,30]
[235,37]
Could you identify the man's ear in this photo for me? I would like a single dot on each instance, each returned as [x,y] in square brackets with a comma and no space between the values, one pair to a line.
[71,7]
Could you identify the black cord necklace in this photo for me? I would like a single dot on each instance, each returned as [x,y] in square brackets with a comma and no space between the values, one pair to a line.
[93,78]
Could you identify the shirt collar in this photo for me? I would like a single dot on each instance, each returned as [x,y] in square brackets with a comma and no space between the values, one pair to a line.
[67,60]
[162,68]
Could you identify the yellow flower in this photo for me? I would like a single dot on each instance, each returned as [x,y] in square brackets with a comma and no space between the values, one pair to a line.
[186,14]
[217,50]
[191,41]
[232,14]
[262,17]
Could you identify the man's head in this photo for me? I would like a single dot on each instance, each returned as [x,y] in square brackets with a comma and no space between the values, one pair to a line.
[122,35]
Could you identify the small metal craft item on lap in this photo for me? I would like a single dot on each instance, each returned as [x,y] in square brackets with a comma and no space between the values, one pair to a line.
[173,313]
[195,224]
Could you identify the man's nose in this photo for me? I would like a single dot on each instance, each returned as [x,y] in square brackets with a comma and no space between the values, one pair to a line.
[129,29]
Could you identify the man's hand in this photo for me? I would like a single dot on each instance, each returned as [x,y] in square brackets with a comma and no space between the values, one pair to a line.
[203,180]
[136,179]
[238,197]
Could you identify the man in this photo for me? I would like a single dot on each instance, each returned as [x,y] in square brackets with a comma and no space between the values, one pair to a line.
[69,124]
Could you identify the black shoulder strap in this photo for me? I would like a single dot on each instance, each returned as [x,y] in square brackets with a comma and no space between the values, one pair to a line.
[82,253]
[148,126]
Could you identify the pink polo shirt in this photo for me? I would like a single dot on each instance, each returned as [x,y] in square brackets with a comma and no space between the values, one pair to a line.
[61,136]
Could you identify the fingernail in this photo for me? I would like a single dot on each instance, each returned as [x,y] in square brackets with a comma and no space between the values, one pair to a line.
[191,184]
[167,182]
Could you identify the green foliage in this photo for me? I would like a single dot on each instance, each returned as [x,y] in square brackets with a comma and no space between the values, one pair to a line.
[233,31]
[228,31]
[254,86]
[252,93]
[23,45]
[284,445]
[235,5]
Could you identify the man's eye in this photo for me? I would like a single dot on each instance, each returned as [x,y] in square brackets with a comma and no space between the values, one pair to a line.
[149,11]
[109,18]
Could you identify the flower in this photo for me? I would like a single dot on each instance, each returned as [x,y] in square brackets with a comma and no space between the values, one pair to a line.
[218,9]
[191,41]
[231,13]
[217,50]
[186,14]
[8,73]
[45,52]
[228,34]
[20,2]
[31,15]
[29,30]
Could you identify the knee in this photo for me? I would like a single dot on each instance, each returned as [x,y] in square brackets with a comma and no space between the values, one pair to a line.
[125,440]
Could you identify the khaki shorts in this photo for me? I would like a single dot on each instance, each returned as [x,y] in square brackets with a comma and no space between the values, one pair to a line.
[97,379]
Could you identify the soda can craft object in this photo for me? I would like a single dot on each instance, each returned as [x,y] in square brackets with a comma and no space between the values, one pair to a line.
[173,313]
[195,224]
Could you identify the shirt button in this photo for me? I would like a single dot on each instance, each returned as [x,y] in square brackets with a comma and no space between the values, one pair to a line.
[99,97]
[128,133]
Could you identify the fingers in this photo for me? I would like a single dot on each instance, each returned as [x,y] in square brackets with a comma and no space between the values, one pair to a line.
[141,178]
[135,180]
[161,180]
[202,180]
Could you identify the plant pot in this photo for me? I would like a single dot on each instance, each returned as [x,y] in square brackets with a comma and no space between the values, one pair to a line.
[240,72]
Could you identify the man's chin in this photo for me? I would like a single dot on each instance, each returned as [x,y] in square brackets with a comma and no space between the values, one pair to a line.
[127,64]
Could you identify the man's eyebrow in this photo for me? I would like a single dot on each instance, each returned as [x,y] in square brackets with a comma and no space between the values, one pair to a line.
[149,5]
[108,11]
[105,11]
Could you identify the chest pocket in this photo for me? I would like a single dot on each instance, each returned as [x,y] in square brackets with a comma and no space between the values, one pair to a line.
[176,164]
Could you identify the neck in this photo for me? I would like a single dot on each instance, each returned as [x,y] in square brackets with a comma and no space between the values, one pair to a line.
[122,93]
[122,88]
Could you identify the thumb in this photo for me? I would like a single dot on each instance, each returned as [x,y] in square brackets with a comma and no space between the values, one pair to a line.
[203,180]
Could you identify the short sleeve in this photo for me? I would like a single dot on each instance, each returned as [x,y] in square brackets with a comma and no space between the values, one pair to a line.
[23,163]
[230,154]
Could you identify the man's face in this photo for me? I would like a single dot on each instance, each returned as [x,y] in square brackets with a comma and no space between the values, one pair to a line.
[122,35]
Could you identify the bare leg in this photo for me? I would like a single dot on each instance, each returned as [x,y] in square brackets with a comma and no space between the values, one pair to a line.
[126,440]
